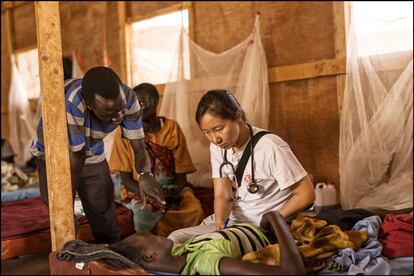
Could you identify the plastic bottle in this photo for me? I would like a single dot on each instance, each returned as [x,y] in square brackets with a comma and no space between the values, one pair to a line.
[325,197]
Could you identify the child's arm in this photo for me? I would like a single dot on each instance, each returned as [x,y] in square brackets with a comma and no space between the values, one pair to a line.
[291,261]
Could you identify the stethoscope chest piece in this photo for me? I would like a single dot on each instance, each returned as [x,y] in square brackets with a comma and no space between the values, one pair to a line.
[253,188]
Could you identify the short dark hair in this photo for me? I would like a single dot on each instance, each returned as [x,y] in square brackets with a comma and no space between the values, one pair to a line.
[102,81]
[219,102]
[148,88]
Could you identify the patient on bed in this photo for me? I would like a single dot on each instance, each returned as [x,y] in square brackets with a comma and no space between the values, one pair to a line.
[215,253]
[170,162]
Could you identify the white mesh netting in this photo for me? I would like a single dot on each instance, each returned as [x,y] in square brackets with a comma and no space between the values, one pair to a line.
[376,128]
[241,69]
[23,121]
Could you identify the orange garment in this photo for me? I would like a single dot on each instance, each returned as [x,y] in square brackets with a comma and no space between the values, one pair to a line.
[189,214]
[169,136]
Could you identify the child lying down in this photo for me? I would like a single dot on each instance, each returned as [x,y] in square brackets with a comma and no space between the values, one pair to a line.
[208,254]
[215,253]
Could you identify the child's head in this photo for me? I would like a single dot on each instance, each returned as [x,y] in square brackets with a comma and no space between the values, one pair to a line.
[144,248]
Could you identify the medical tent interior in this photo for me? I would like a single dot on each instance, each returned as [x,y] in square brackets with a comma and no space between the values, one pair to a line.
[333,79]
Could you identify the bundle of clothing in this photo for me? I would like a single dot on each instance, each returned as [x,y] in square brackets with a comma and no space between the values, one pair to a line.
[355,241]
[14,178]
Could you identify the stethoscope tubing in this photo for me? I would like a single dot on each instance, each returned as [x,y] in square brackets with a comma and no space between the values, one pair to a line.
[252,187]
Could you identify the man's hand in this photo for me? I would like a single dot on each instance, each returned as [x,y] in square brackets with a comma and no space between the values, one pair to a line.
[147,184]
[149,187]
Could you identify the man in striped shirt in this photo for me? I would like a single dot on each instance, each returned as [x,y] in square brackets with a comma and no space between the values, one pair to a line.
[95,106]
[216,253]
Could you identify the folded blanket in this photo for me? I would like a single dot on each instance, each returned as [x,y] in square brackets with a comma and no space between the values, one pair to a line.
[78,251]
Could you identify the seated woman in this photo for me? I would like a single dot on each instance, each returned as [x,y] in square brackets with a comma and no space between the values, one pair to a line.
[170,161]
[215,253]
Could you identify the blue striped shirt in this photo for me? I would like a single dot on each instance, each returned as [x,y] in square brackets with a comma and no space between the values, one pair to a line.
[85,130]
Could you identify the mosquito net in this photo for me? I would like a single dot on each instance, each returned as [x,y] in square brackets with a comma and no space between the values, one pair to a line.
[241,69]
[376,128]
[22,119]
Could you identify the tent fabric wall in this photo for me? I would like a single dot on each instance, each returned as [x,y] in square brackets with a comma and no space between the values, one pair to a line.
[292,33]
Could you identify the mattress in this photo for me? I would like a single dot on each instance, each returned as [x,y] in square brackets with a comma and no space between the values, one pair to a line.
[25,227]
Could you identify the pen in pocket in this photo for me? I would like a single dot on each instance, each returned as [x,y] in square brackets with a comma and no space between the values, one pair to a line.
[226,223]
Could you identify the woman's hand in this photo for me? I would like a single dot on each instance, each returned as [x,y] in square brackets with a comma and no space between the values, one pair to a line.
[149,187]
[219,225]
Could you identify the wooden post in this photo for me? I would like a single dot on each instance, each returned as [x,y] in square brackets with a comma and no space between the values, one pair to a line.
[5,115]
[122,42]
[54,123]
[340,53]
[340,48]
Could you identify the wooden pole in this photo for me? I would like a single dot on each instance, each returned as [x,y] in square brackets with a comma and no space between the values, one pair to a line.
[5,115]
[54,123]
[122,42]
[340,47]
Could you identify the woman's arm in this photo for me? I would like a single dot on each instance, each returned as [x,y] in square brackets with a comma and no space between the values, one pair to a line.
[303,195]
[291,262]
[223,201]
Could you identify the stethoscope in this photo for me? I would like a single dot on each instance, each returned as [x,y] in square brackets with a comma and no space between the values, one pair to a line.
[252,187]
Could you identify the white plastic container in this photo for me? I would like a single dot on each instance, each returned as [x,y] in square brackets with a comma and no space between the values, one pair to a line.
[325,196]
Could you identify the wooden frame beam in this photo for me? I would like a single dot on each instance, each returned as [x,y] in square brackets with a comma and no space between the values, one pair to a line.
[320,68]
[310,70]
[7,5]
[169,9]
[54,123]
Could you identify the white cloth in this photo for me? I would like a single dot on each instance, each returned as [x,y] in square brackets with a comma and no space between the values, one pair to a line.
[182,235]
[275,168]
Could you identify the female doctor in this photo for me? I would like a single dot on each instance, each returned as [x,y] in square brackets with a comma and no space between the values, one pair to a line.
[275,180]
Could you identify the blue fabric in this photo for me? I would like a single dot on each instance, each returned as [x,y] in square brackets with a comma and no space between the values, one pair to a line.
[367,259]
[20,194]
[144,220]
[401,266]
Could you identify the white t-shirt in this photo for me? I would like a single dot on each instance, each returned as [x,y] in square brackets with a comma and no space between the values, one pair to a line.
[276,169]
